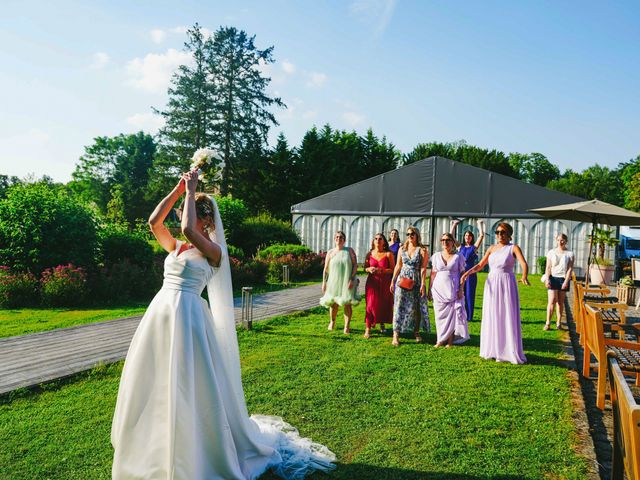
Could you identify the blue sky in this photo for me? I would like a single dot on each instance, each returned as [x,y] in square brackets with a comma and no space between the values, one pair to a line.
[555,77]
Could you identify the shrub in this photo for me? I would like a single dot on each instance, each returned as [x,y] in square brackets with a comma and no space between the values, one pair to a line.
[233,213]
[17,289]
[117,243]
[301,267]
[235,251]
[542,264]
[248,273]
[63,286]
[279,250]
[122,281]
[261,231]
[42,225]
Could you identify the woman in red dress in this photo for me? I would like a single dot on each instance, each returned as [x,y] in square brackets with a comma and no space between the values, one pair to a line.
[379,264]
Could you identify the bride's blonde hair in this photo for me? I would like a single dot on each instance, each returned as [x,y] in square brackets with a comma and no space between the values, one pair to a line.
[204,208]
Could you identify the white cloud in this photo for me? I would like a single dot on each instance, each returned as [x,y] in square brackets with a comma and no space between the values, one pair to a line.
[179,29]
[316,79]
[100,60]
[288,67]
[158,35]
[378,13]
[310,114]
[148,122]
[153,73]
[353,119]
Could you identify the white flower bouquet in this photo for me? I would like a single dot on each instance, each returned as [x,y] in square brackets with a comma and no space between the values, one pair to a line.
[209,163]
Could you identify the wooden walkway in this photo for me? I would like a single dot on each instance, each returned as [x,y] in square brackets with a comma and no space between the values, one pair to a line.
[29,360]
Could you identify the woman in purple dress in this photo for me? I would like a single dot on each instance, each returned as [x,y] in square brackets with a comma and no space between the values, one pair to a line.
[501,331]
[446,293]
[469,250]
[394,243]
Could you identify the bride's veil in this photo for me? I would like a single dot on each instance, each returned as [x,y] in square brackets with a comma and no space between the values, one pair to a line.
[220,292]
[260,440]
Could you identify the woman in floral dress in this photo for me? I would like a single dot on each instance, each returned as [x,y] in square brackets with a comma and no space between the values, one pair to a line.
[408,285]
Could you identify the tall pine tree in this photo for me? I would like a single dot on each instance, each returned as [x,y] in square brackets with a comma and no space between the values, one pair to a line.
[242,106]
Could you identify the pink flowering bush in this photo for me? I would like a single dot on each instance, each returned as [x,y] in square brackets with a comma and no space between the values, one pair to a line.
[248,272]
[63,286]
[17,289]
[301,267]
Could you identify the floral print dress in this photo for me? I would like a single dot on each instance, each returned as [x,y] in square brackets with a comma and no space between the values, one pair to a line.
[408,303]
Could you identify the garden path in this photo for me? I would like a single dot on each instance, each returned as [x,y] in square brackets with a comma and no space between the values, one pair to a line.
[29,360]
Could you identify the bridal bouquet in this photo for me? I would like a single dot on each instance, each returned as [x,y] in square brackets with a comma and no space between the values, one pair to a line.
[209,163]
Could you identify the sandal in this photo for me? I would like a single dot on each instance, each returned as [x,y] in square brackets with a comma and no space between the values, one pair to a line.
[332,325]
[347,330]
[558,326]
[547,326]
[367,334]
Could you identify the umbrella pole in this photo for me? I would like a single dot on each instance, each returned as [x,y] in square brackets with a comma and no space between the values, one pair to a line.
[586,276]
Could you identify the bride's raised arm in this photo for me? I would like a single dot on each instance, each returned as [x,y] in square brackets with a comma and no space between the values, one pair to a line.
[190,227]
[159,214]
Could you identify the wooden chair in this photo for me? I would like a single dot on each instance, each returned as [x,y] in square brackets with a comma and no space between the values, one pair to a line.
[626,425]
[589,295]
[595,343]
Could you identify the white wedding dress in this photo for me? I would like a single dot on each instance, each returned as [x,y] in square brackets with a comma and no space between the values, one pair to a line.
[181,412]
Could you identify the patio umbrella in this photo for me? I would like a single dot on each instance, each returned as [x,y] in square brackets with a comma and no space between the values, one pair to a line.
[593,211]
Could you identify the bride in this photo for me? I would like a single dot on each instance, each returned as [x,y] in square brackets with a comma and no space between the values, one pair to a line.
[181,412]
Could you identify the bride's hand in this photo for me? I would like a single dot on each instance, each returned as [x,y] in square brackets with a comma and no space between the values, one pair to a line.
[191,181]
[180,187]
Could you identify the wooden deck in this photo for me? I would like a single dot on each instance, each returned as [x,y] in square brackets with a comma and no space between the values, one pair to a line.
[29,360]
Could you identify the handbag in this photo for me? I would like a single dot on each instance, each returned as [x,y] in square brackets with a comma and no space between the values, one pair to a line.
[406,283]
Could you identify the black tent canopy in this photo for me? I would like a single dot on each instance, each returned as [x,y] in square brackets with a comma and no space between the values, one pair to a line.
[436,187]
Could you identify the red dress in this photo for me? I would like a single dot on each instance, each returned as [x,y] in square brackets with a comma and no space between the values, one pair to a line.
[379,298]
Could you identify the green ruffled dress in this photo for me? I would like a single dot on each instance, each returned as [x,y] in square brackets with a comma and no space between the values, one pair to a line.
[340,268]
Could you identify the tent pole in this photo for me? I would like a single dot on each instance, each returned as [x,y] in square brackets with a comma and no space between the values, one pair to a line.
[432,234]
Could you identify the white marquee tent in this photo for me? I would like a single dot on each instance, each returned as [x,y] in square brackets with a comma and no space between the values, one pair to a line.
[429,194]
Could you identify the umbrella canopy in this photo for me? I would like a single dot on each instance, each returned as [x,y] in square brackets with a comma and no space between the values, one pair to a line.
[592,211]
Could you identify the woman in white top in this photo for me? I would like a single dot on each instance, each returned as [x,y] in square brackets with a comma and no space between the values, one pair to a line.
[558,276]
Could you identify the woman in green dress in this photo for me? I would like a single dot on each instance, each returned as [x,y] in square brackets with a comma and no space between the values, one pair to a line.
[339,284]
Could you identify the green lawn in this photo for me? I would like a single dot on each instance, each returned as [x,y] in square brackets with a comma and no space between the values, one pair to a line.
[412,412]
[30,320]
[21,321]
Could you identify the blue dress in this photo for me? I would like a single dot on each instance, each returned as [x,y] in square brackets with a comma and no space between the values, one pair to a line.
[471,258]
[394,249]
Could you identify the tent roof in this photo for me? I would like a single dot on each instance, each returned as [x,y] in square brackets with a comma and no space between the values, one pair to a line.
[440,187]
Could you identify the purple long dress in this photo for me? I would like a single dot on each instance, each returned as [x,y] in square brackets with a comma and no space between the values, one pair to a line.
[501,331]
[471,258]
[451,317]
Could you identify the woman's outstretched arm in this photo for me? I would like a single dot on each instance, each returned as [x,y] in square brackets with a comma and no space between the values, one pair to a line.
[159,214]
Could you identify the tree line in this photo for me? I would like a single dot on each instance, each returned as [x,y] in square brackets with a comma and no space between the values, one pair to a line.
[220,100]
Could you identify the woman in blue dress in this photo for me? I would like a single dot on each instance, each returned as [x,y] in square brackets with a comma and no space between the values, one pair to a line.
[394,243]
[469,250]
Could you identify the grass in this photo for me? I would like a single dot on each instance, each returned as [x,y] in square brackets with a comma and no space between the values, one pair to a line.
[30,320]
[412,412]
[21,321]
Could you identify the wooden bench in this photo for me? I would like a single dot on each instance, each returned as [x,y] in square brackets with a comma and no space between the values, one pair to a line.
[626,425]
[597,345]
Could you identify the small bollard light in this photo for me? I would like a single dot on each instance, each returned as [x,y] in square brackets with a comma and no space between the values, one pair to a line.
[285,274]
[247,307]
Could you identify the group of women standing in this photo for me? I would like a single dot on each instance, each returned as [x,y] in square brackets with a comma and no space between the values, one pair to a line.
[397,290]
